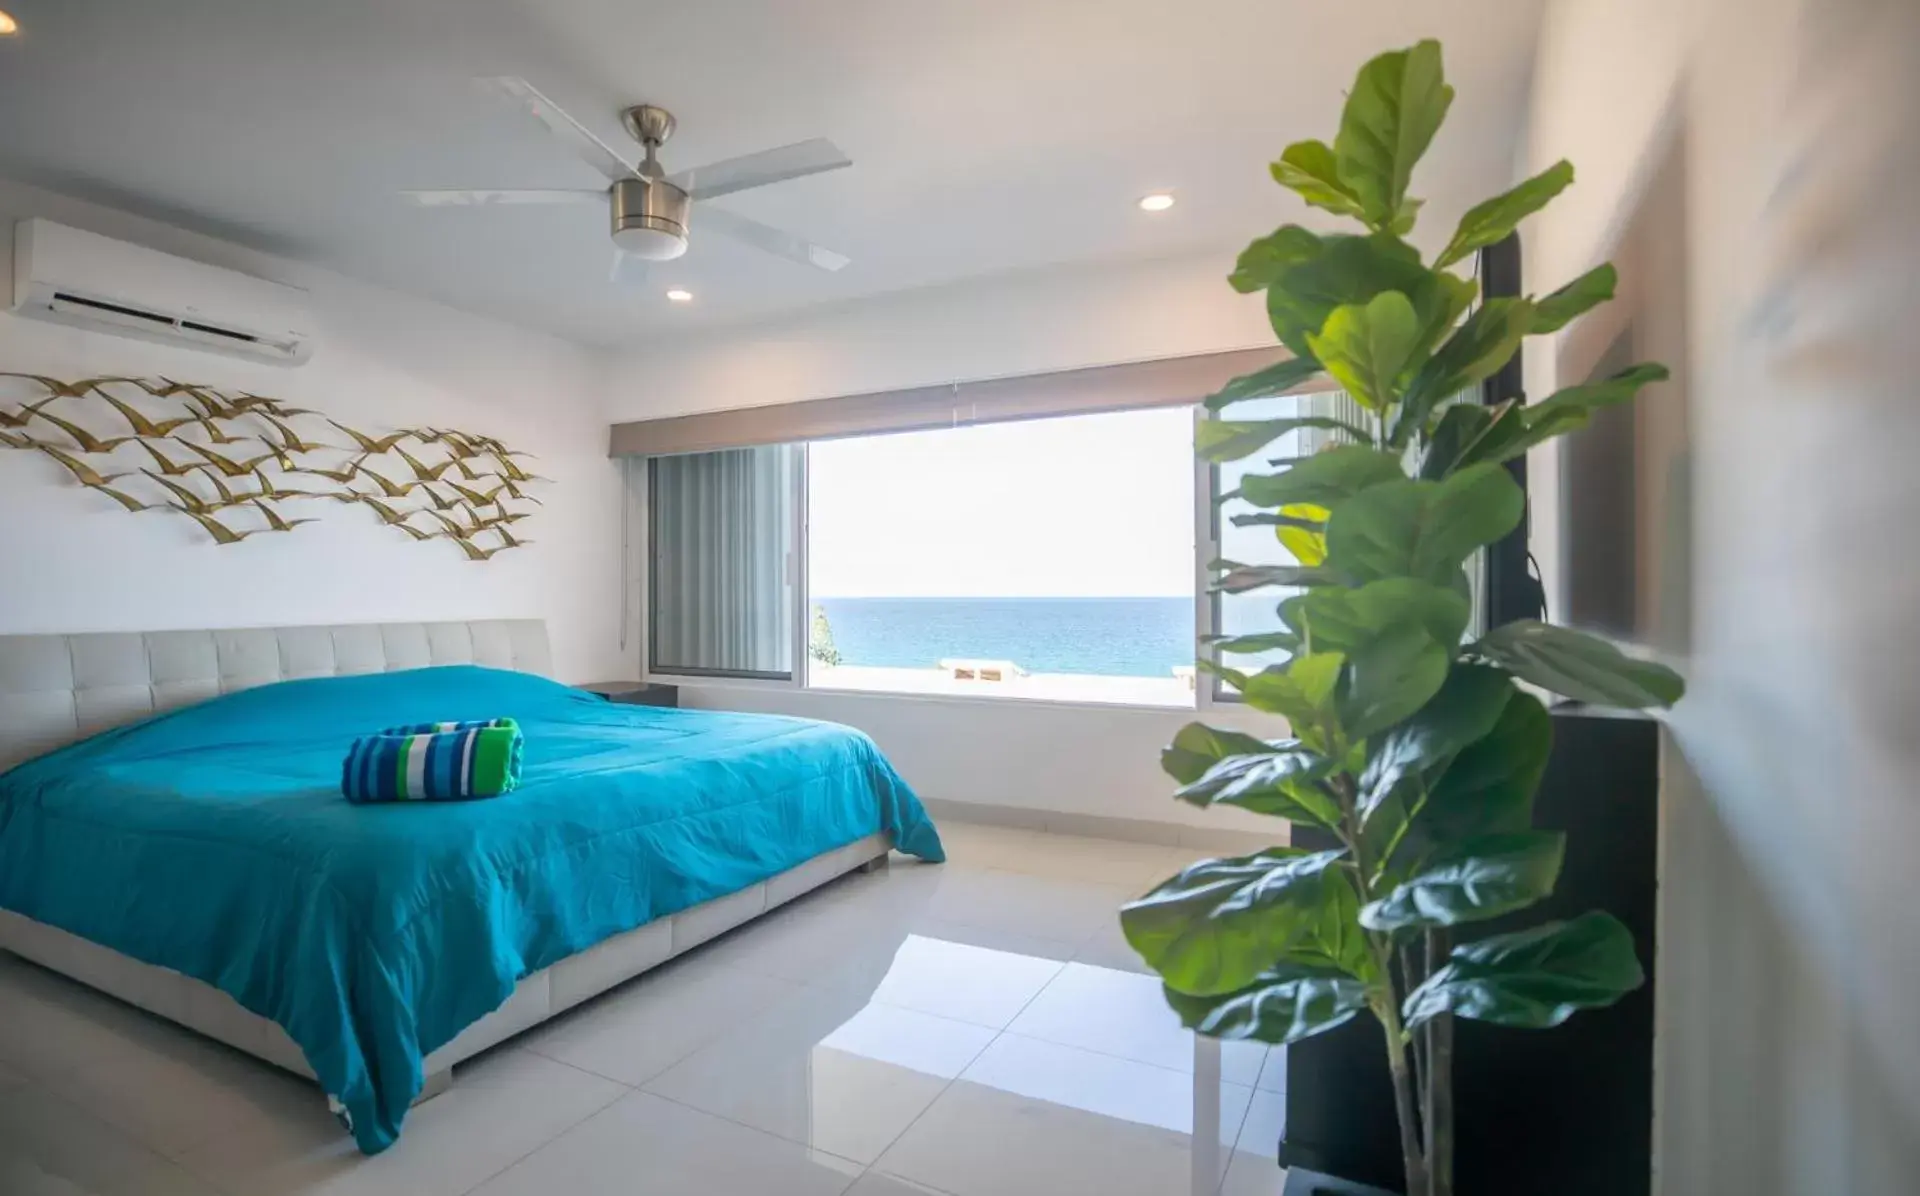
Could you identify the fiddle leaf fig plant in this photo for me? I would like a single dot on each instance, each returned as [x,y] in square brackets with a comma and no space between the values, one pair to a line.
[1413,746]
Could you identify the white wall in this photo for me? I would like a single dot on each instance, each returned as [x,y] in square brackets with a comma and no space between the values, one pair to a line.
[1025,323]
[1102,761]
[72,560]
[1790,967]
[1084,760]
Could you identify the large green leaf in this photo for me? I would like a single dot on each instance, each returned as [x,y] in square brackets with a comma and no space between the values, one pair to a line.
[1339,940]
[1230,440]
[1323,479]
[1276,379]
[1283,1004]
[1465,710]
[1343,269]
[1478,348]
[1591,289]
[1197,747]
[1390,677]
[1493,221]
[1283,781]
[1439,307]
[1534,978]
[1468,432]
[1299,690]
[1489,785]
[1301,529]
[1262,262]
[1396,105]
[1308,169]
[1565,411]
[1472,881]
[1219,924]
[1342,620]
[1366,346]
[1576,665]
[1423,530]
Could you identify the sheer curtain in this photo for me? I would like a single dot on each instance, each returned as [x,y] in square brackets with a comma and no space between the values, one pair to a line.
[721,536]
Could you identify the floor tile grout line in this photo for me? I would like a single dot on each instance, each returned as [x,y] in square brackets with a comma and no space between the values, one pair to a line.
[703,1045]
[47,1092]
[588,1071]
[764,1133]
[944,1089]
[1075,1046]
[546,1142]
[947,1083]
[1253,1090]
[906,1179]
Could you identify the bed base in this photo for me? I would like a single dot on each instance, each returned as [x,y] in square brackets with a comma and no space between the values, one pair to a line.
[544,994]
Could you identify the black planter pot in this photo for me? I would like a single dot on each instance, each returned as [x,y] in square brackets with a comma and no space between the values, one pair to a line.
[1302,1182]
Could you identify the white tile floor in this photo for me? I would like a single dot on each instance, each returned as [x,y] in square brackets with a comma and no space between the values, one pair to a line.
[975,1029]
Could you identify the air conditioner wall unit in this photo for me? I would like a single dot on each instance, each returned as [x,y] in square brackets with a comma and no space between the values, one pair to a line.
[79,278]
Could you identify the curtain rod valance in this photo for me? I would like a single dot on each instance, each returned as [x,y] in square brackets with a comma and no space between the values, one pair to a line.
[1170,382]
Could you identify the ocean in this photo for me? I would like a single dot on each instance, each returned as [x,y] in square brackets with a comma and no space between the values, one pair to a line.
[1112,637]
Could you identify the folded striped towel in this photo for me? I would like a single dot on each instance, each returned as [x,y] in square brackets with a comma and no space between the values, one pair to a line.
[434,762]
[478,724]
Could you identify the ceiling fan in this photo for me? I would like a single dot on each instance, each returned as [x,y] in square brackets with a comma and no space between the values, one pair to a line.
[649,207]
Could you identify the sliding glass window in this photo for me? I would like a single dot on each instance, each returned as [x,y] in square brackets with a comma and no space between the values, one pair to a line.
[1259,543]
[720,575]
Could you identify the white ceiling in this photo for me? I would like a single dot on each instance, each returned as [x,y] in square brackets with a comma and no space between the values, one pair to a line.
[987,135]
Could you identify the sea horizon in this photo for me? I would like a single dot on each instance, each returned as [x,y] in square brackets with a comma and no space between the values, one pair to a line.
[1118,636]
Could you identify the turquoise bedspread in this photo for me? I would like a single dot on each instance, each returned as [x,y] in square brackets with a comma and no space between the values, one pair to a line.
[213,840]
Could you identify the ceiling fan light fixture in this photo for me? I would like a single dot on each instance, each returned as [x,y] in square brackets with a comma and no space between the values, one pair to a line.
[650,244]
[650,219]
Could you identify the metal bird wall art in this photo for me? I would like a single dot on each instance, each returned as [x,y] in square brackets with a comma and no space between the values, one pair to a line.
[228,460]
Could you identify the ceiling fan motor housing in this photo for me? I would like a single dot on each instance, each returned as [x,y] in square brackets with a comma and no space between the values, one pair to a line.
[650,218]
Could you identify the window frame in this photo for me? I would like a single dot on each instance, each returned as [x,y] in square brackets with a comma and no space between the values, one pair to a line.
[1208,694]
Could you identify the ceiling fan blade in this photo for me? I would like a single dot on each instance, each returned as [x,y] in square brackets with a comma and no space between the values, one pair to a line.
[595,152]
[470,199]
[627,270]
[767,238]
[757,170]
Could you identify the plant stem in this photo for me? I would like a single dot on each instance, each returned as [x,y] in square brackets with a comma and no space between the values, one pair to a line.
[1415,1162]
[1386,999]
[1413,970]
[1439,1032]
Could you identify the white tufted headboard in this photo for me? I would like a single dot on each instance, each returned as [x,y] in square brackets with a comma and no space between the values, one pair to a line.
[58,688]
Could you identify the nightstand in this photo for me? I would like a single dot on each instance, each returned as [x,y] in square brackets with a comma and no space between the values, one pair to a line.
[635,693]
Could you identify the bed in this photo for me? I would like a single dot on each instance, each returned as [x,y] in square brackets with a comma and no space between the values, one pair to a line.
[171,832]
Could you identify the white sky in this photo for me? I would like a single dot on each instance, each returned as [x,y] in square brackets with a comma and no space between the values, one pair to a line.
[1088,506]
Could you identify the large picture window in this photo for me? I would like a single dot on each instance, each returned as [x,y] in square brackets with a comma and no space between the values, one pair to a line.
[1048,559]
[1041,539]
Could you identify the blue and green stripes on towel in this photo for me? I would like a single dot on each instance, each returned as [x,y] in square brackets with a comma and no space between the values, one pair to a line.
[433,762]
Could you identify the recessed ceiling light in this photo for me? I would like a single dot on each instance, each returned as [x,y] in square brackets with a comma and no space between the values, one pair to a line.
[8,26]
[680,296]
[1159,201]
